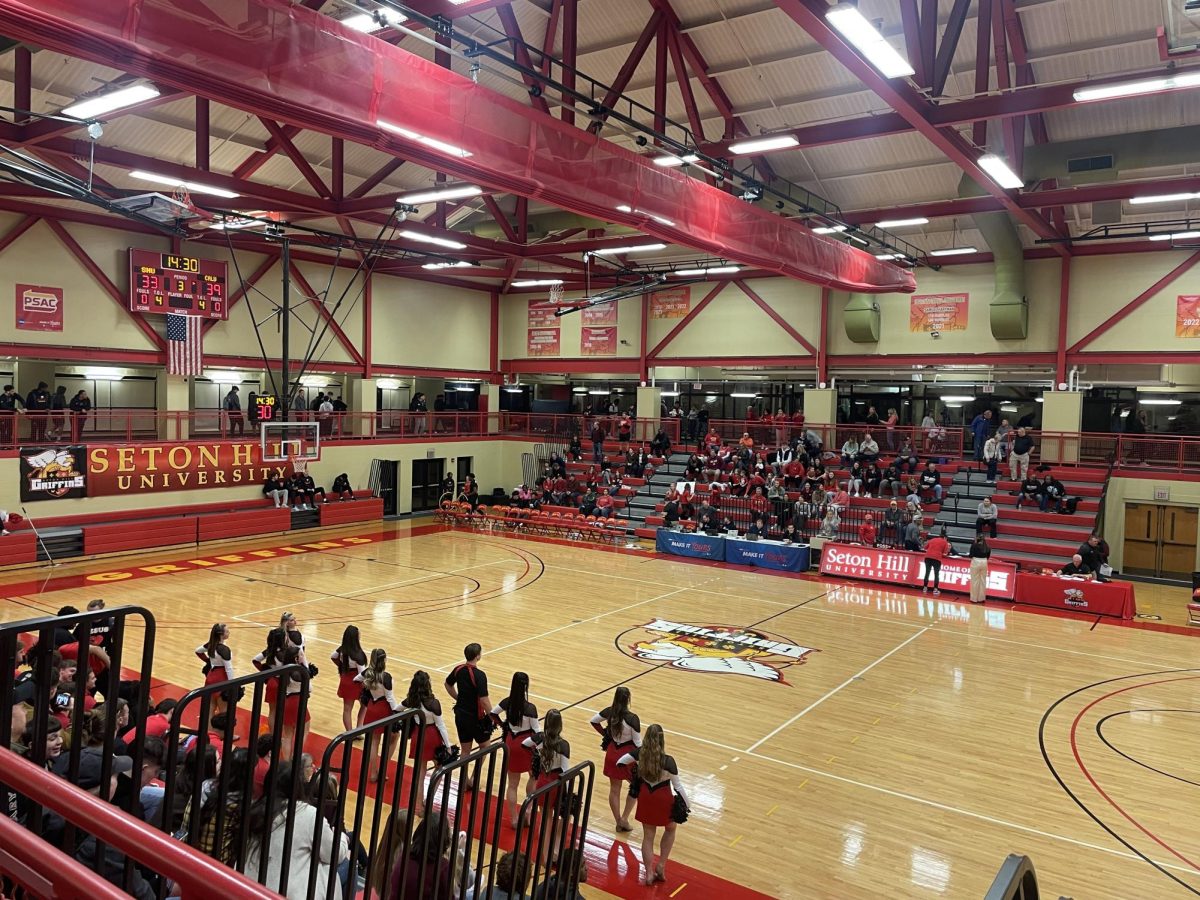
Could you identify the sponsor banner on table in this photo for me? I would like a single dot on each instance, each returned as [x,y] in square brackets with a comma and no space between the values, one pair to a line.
[598,341]
[543,342]
[938,312]
[39,308]
[905,567]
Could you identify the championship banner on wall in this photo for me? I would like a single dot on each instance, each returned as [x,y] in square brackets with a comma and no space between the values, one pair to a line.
[541,314]
[53,473]
[938,312]
[39,308]
[604,314]
[153,468]
[598,341]
[1187,316]
[906,567]
[543,342]
[674,303]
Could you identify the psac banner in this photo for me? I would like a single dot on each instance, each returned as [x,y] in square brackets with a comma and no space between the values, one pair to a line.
[53,473]
[39,308]
[153,468]
[905,567]
[938,312]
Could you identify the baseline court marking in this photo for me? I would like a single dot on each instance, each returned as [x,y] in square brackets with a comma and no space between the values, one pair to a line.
[829,694]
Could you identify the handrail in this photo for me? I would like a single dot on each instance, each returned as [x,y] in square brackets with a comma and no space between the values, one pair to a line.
[46,871]
[195,874]
[1016,880]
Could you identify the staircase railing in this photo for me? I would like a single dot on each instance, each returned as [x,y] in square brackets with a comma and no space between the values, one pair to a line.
[1016,880]
[1099,526]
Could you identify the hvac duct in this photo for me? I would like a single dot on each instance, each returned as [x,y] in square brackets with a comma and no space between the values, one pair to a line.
[862,319]
[1008,312]
[547,223]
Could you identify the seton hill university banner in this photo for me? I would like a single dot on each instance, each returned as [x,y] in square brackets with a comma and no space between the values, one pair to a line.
[114,470]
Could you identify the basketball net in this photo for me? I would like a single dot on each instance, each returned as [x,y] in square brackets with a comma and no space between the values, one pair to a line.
[299,464]
[556,295]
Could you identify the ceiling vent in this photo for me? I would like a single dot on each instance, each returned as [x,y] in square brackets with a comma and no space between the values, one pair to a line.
[1090,164]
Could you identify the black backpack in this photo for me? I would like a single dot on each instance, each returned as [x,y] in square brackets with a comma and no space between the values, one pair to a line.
[1072,504]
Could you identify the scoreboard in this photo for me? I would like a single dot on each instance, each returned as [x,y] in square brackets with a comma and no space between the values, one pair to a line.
[166,283]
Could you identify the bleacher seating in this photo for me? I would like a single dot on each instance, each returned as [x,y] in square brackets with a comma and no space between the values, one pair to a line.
[558,522]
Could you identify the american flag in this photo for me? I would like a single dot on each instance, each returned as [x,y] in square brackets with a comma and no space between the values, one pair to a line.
[184,356]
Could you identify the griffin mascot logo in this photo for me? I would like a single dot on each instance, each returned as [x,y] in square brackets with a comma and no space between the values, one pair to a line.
[715,649]
[54,473]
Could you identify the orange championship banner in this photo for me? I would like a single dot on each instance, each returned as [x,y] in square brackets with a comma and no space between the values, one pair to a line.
[152,468]
[673,303]
[598,341]
[1187,316]
[543,342]
[541,314]
[603,314]
[938,312]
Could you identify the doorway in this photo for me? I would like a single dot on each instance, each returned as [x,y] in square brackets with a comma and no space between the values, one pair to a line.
[427,475]
[385,482]
[1160,540]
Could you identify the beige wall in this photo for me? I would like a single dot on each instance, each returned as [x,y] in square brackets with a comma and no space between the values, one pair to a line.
[422,324]
[1141,490]
[514,325]
[495,463]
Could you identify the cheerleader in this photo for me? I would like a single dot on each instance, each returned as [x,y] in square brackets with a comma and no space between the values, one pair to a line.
[378,703]
[621,731]
[351,661]
[553,757]
[293,655]
[269,659]
[420,696]
[659,784]
[519,719]
[291,626]
[218,663]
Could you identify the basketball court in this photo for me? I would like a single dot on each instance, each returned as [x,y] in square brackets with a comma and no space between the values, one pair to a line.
[835,739]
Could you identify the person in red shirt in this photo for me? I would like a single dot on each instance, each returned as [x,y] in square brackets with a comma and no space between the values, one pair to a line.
[604,505]
[793,474]
[712,440]
[157,724]
[866,531]
[746,441]
[758,502]
[936,550]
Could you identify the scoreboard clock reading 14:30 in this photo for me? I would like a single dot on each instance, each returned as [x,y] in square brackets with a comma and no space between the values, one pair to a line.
[167,283]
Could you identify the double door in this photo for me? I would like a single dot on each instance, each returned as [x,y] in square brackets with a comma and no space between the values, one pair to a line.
[1160,540]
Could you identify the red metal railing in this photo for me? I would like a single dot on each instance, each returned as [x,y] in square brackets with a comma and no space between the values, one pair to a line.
[194,874]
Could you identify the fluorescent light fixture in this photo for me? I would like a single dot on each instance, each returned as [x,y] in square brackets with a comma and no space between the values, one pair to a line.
[447,265]
[951,398]
[599,393]
[514,390]
[659,219]
[625,209]
[538,282]
[90,107]
[579,390]
[1137,88]
[433,196]
[764,144]
[743,396]
[1164,198]
[858,30]
[365,22]
[829,229]
[714,270]
[191,186]
[953,251]
[670,394]
[430,239]
[1158,401]
[1175,236]
[954,406]
[1008,408]
[670,161]
[1000,172]
[103,374]
[613,251]
[857,239]
[224,377]
[387,384]
[902,223]
[424,139]
[1038,400]
[887,256]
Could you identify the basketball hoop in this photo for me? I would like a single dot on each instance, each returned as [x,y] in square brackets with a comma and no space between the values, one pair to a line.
[299,465]
[556,294]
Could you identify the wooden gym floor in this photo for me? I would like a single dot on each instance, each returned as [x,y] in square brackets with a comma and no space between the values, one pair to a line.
[886,744]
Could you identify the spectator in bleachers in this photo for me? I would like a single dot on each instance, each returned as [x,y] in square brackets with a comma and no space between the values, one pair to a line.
[574,449]
[850,450]
[813,444]
[37,407]
[868,449]
[232,405]
[341,488]
[890,423]
[872,480]
[1004,436]
[980,426]
[588,503]
[1018,460]
[58,413]
[991,456]
[866,531]
[758,502]
[912,534]
[598,435]
[1029,490]
[9,401]
[1051,494]
[775,489]
[831,522]
[275,489]
[891,524]
[661,445]
[840,499]
[854,481]
[793,474]
[987,513]
[931,481]
[605,506]
[570,868]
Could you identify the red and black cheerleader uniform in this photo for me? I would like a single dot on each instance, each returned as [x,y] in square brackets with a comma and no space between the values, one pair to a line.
[628,737]
[219,662]
[270,686]
[551,774]
[435,735]
[380,700]
[349,675]
[291,705]
[656,797]
[520,757]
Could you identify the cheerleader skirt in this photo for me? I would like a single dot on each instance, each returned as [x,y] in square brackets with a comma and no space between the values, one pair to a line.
[376,710]
[550,798]
[215,674]
[429,746]
[291,711]
[348,688]
[520,757]
[654,804]
[611,754]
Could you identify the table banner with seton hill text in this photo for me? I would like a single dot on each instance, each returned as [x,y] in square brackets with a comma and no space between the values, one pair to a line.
[908,568]
[112,470]
[938,312]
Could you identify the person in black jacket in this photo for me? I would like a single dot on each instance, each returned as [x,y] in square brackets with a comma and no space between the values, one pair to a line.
[1029,491]
[9,401]
[58,413]
[1094,554]
[37,405]
[276,489]
[80,405]
[1051,493]
[341,487]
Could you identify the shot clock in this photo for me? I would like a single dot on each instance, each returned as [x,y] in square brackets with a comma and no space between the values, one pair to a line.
[266,407]
[170,283]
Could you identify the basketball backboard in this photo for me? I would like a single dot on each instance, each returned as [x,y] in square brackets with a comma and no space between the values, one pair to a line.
[291,441]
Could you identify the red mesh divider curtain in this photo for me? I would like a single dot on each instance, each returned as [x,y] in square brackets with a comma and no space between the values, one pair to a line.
[272,59]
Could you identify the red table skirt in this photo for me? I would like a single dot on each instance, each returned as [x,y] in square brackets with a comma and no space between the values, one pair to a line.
[1113,598]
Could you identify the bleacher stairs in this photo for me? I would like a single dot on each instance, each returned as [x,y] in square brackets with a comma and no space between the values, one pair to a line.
[651,494]
[1028,536]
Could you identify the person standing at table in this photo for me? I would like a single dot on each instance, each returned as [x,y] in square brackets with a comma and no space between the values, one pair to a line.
[936,550]
[1092,555]
[979,553]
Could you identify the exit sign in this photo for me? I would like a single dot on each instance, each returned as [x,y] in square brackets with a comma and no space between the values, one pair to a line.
[1162,493]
